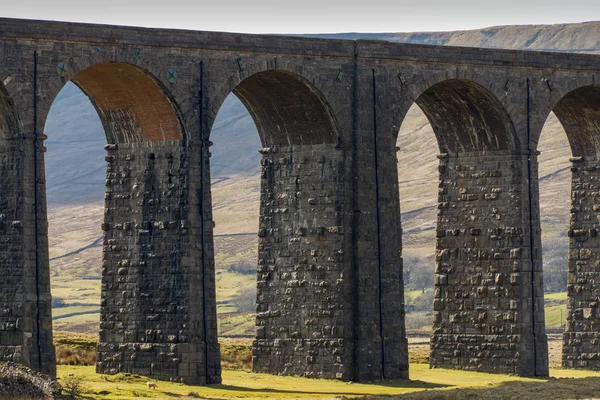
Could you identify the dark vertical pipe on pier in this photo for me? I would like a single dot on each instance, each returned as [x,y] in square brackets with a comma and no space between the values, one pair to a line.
[202,216]
[531,237]
[379,258]
[36,212]
[356,271]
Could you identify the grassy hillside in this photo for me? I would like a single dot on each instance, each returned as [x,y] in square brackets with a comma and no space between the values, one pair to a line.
[75,180]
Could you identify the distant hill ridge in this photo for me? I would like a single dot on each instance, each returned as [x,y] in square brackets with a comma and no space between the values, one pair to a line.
[573,38]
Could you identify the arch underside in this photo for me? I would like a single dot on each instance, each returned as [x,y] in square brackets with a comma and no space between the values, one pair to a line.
[286,109]
[131,104]
[467,117]
[579,114]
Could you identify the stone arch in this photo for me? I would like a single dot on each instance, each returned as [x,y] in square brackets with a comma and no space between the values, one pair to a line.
[132,105]
[286,109]
[579,113]
[481,162]
[127,93]
[466,117]
[301,218]
[491,88]
[547,92]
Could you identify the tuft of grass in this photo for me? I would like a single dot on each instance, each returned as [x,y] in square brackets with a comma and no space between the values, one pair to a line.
[236,354]
[72,385]
[75,348]
[418,354]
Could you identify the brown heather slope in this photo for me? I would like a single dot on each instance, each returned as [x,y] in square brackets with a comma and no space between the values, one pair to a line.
[75,176]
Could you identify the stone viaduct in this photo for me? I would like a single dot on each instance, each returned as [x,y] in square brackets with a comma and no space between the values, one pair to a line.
[329,284]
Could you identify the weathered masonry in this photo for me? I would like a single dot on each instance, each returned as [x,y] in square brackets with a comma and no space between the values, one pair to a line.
[329,289]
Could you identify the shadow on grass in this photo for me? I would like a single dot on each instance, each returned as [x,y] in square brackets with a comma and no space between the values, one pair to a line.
[407,384]
[171,394]
[279,391]
[555,389]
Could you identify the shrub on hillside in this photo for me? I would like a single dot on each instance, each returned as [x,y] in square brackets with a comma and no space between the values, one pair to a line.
[242,267]
[419,322]
[245,300]
[68,355]
[418,272]
[555,268]
[57,302]
[72,386]
[424,302]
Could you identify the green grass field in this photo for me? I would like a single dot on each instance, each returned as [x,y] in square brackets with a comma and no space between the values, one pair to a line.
[62,312]
[560,296]
[556,316]
[236,324]
[555,309]
[239,384]
[411,295]
[76,290]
